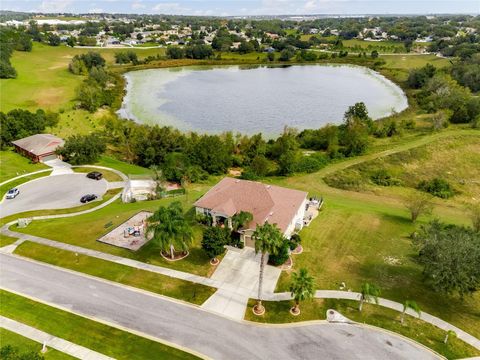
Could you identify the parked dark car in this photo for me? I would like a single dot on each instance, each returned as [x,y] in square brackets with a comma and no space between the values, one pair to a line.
[88,198]
[95,175]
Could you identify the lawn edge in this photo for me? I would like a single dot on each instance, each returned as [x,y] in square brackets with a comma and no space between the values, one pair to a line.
[109,323]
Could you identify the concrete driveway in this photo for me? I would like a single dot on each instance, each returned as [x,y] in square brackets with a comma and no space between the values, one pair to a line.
[238,275]
[207,333]
[53,192]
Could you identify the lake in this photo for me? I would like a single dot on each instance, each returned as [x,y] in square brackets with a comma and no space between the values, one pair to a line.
[256,98]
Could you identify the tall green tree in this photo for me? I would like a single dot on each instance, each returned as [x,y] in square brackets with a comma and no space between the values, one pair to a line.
[268,239]
[170,229]
[369,293]
[302,288]
[451,257]
[82,149]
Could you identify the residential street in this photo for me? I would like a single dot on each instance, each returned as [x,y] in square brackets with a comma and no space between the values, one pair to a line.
[212,335]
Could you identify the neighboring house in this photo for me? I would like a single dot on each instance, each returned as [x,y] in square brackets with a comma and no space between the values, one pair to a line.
[38,147]
[267,203]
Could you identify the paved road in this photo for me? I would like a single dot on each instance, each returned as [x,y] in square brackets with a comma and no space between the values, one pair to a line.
[202,331]
[53,192]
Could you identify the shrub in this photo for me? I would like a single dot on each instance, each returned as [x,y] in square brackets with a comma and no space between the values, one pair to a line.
[312,163]
[437,187]
[204,219]
[383,178]
[347,180]
[295,240]
[213,241]
[281,256]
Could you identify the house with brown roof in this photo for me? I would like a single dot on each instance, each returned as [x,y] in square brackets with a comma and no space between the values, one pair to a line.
[38,147]
[267,203]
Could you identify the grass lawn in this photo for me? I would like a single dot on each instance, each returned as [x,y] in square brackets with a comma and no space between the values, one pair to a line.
[413,328]
[4,188]
[407,62]
[368,46]
[43,79]
[157,283]
[454,159]
[107,175]
[84,230]
[126,168]
[13,164]
[6,240]
[354,244]
[102,338]
[77,122]
[25,345]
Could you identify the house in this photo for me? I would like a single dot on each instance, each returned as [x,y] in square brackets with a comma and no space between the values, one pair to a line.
[267,203]
[38,147]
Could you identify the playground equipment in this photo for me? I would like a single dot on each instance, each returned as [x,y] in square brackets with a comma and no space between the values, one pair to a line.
[132,231]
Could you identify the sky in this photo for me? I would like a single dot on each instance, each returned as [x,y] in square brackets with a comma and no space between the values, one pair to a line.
[246,7]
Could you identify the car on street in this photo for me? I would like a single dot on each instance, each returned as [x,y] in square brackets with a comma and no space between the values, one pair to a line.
[95,175]
[87,198]
[12,193]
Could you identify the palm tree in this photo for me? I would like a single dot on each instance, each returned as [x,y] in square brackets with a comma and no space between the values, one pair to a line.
[302,288]
[268,239]
[170,229]
[369,292]
[240,219]
[409,304]
[450,333]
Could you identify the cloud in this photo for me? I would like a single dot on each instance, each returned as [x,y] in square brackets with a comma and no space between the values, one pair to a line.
[170,8]
[96,11]
[50,6]
[138,5]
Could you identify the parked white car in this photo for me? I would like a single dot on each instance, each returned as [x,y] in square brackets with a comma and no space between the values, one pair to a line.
[12,193]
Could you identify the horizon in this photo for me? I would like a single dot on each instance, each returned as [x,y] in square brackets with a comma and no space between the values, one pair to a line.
[251,8]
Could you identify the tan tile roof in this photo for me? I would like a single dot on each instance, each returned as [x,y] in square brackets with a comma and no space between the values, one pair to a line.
[274,204]
[39,144]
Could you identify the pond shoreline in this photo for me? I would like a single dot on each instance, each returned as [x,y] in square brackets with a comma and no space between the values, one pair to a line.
[383,93]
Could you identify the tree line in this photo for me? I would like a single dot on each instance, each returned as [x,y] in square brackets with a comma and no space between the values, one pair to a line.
[100,87]
[436,90]
[11,40]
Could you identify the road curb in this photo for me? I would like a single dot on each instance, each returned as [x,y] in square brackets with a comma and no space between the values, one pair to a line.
[110,323]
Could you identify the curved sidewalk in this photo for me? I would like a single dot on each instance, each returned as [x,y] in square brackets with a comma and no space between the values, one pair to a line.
[25,175]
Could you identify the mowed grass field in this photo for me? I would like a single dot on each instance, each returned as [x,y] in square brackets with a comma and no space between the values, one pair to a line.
[408,62]
[13,164]
[44,80]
